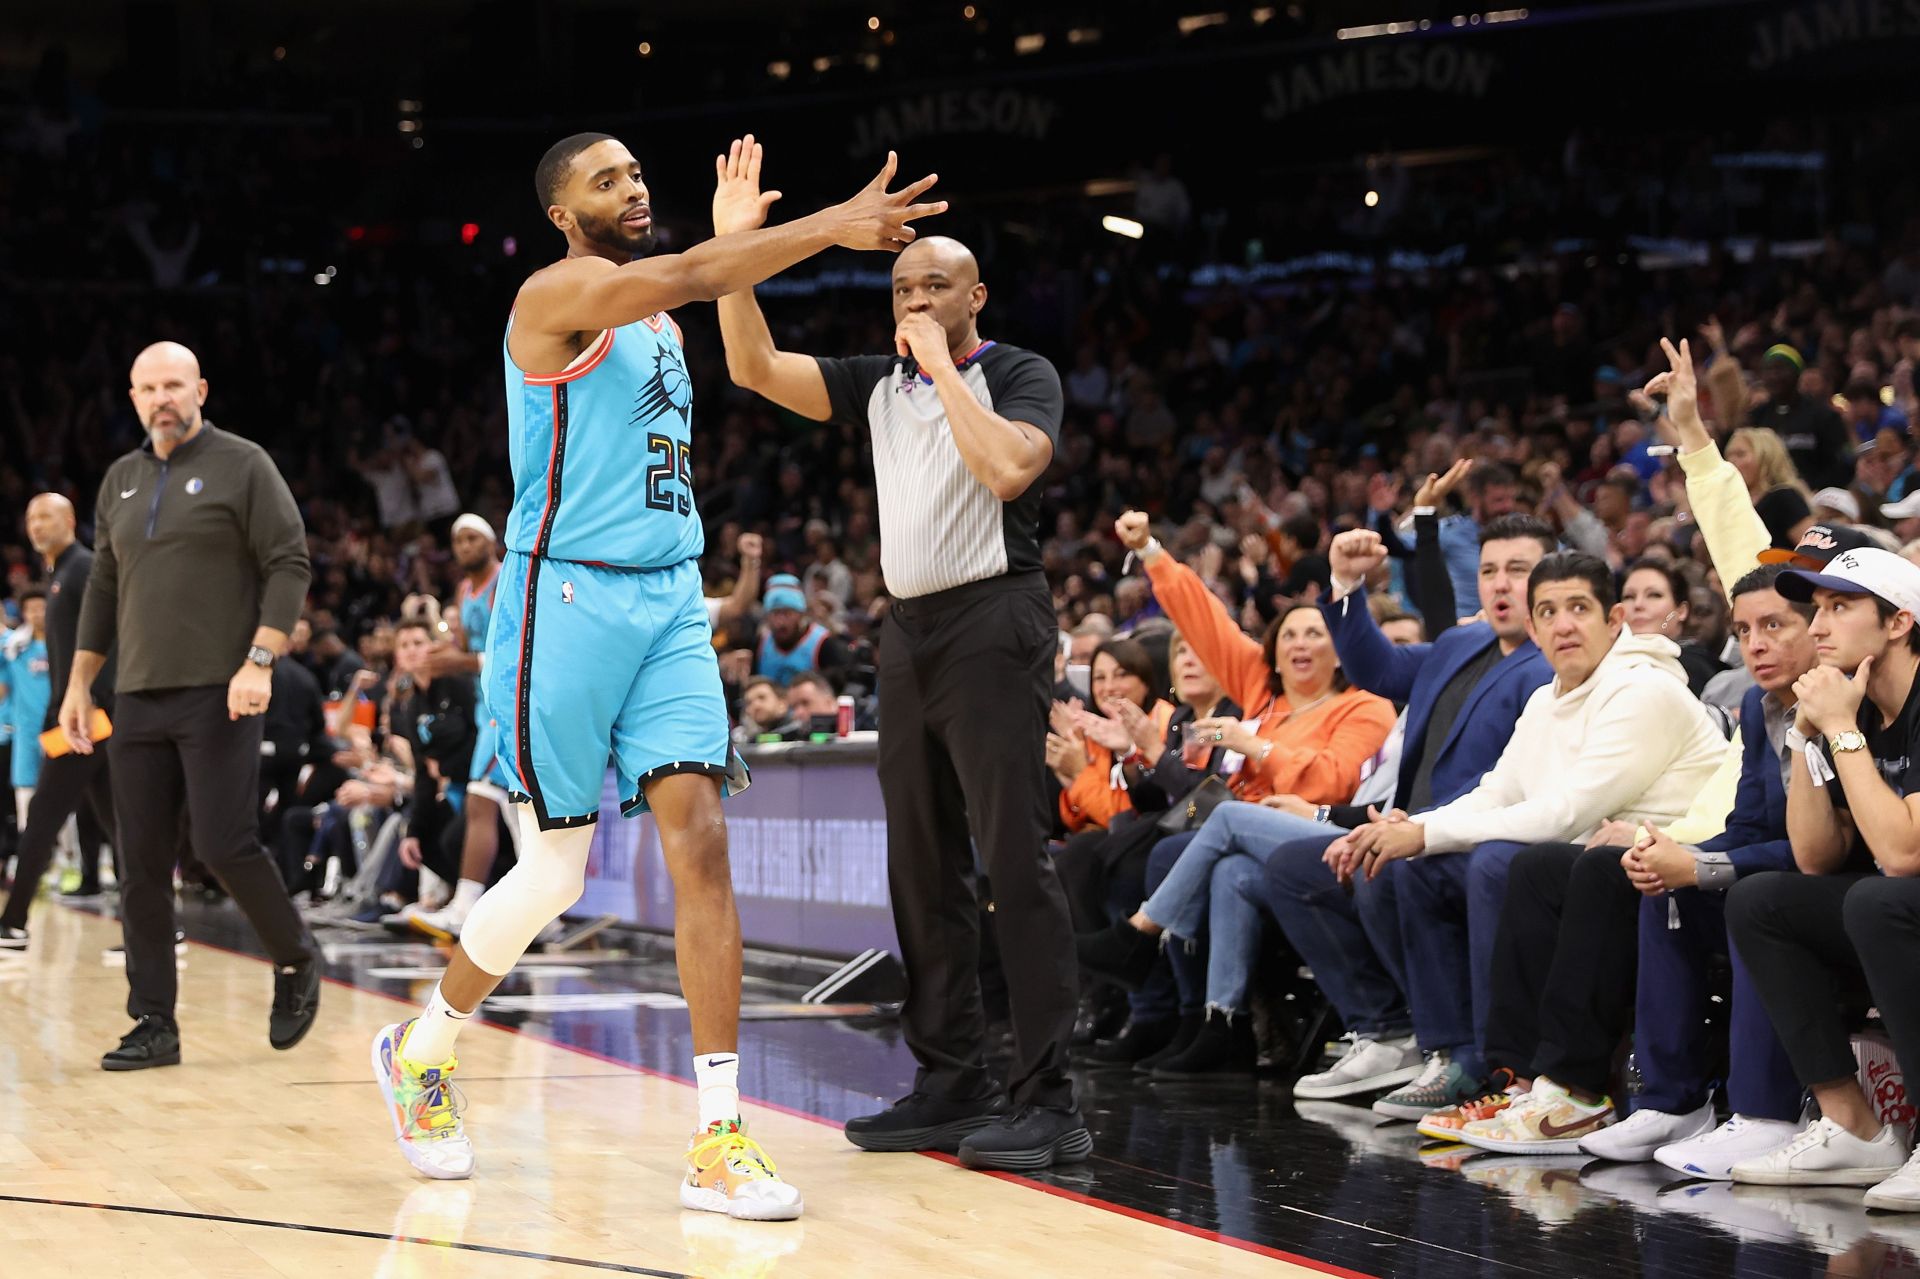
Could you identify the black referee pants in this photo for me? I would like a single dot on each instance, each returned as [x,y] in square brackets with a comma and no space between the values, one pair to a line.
[964,680]
[172,748]
[66,783]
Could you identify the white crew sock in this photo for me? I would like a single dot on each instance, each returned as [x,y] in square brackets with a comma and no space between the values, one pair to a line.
[718,1076]
[430,1039]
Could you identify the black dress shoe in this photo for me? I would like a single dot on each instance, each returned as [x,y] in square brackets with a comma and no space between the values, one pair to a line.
[1224,1046]
[1103,1011]
[1029,1140]
[1183,1037]
[1136,1040]
[296,1002]
[153,1041]
[920,1122]
[1122,954]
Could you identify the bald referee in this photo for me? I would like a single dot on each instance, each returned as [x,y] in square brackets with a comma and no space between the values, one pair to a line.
[199,572]
[961,430]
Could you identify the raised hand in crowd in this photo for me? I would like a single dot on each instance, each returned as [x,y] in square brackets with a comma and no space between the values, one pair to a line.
[1101,731]
[1435,488]
[1681,389]
[1354,554]
[1134,530]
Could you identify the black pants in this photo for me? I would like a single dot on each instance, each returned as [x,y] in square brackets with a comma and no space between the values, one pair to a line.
[173,749]
[1564,963]
[1818,946]
[69,784]
[964,676]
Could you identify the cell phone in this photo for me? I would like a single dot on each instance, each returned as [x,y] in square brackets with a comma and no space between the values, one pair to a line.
[53,742]
[1080,680]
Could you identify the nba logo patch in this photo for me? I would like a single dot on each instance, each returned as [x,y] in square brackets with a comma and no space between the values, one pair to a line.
[566,592]
[195,484]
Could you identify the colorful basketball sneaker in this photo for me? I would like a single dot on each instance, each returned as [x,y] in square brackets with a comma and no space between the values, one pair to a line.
[425,1108]
[1502,1090]
[728,1172]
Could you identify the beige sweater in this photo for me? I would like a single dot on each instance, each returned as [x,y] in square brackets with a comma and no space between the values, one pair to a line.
[1630,743]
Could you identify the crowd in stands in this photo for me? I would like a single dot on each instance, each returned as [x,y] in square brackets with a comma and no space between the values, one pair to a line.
[1440,629]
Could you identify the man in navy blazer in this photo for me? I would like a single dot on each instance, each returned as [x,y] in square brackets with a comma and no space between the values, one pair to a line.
[1463,693]
[1682,928]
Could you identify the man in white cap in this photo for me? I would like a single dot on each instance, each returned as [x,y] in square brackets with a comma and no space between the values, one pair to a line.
[1846,930]
[476,552]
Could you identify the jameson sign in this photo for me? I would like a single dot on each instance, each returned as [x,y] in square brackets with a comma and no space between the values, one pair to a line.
[1007,113]
[1803,29]
[1406,67]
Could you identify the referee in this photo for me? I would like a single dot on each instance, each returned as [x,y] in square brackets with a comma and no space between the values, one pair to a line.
[200,569]
[961,429]
[67,782]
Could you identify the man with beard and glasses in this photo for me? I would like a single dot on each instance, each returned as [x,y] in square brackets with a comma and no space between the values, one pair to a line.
[200,570]
[600,646]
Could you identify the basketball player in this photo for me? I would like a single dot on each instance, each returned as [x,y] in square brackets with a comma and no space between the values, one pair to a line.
[599,642]
[476,553]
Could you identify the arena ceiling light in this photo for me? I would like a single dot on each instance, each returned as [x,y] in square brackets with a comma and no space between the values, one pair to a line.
[1030,43]
[1200,22]
[1123,226]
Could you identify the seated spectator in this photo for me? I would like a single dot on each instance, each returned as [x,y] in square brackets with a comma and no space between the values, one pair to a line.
[812,703]
[1564,979]
[790,641]
[1309,738]
[1773,483]
[763,709]
[1579,756]
[1657,601]
[1813,434]
[1842,933]
[1090,754]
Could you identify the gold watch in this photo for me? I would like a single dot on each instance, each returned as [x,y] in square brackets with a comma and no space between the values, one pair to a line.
[1851,740]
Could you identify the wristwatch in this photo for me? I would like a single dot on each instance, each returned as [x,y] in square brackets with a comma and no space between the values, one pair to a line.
[261,657]
[1851,740]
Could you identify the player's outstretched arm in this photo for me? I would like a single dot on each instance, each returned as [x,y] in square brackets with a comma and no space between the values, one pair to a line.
[582,295]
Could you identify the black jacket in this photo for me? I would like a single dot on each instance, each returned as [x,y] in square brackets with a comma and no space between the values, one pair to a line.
[65,593]
[438,722]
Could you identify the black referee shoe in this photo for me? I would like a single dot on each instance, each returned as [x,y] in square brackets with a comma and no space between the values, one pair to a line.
[153,1041]
[920,1122]
[1029,1140]
[296,1002]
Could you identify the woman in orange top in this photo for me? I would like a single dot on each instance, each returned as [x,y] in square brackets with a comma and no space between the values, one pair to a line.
[1092,779]
[1309,736]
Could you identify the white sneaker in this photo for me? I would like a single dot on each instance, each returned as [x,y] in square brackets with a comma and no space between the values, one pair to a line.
[1826,1154]
[441,925]
[1634,1139]
[1900,1192]
[1367,1065]
[1711,1157]
[424,1107]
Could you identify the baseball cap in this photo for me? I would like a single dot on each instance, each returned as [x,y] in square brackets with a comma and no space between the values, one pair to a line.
[1820,543]
[1881,574]
[1839,500]
[783,591]
[1905,509]
[1781,351]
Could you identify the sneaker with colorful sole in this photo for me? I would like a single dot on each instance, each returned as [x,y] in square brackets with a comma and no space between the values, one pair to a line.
[1502,1090]
[1549,1120]
[728,1172]
[424,1107]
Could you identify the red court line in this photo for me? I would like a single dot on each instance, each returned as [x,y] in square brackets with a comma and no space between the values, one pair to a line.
[1074,1196]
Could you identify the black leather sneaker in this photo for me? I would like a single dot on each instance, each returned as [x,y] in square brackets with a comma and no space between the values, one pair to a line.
[153,1041]
[296,1002]
[1029,1140]
[920,1122]
[1122,954]
[1183,1037]
[1136,1040]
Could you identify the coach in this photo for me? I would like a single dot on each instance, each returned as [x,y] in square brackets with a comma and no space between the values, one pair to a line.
[200,569]
[961,430]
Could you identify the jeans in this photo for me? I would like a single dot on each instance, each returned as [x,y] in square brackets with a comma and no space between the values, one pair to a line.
[1327,927]
[1679,934]
[1449,916]
[1179,904]
[1209,884]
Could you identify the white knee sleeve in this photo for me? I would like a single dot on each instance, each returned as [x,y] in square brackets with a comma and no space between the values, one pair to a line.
[549,877]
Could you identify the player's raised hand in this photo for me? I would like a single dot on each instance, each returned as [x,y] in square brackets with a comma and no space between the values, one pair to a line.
[738,202]
[877,218]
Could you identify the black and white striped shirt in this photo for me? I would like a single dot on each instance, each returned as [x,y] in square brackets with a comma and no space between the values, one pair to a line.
[939,526]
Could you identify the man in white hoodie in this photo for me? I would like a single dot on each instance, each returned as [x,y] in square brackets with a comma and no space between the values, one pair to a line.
[1615,736]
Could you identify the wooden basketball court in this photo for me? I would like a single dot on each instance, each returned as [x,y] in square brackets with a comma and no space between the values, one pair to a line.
[247,1162]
